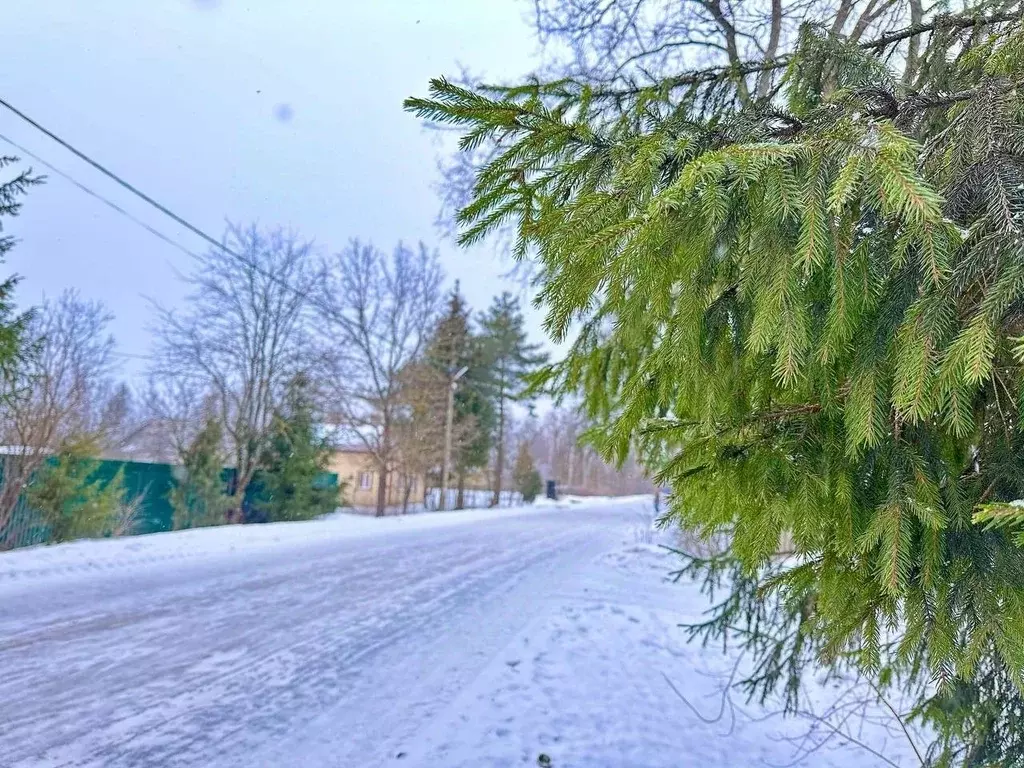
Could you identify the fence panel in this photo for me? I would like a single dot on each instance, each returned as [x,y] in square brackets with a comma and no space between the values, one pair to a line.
[149,484]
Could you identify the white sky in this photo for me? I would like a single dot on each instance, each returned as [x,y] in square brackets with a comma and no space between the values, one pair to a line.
[184,98]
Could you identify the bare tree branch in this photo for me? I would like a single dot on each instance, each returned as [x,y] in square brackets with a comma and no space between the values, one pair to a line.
[56,394]
[375,313]
[244,334]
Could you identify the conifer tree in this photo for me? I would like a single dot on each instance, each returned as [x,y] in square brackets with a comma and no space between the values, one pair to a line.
[813,301]
[455,346]
[72,500]
[292,470]
[12,324]
[199,497]
[510,359]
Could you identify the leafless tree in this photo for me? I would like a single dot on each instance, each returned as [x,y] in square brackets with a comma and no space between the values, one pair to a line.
[56,393]
[555,440]
[244,333]
[174,410]
[634,43]
[419,423]
[124,425]
[376,314]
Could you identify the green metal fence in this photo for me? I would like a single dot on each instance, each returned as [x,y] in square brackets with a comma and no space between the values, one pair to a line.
[149,483]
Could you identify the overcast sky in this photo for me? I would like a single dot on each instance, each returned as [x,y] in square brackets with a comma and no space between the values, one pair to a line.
[284,111]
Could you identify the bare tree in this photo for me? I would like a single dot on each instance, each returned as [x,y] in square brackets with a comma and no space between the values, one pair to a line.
[555,440]
[633,43]
[243,335]
[174,411]
[124,424]
[377,312]
[419,423]
[55,394]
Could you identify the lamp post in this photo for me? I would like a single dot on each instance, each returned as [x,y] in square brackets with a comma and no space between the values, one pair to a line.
[449,415]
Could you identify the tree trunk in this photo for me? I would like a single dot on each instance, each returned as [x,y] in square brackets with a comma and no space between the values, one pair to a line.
[460,497]
[572,462]
[496,499]
[382,487]
[405,498]
[236,511]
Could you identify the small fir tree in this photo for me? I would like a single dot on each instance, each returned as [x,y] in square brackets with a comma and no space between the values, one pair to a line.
[13,324]
[292,474]
[199,497]
[525,475]
[72,499]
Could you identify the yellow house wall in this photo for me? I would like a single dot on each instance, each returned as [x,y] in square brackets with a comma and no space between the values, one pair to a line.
[351,466]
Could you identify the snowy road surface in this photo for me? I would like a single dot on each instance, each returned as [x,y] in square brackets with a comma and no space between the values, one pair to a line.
[428,643]
[309,654]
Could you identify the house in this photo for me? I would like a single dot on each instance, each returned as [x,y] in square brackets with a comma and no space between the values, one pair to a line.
[357,470]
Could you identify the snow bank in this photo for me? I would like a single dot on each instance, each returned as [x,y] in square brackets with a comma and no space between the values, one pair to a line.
[567,502]
[104,555]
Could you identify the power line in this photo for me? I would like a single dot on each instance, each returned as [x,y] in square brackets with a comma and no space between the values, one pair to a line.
[98,196]
[110,174]
[249,263]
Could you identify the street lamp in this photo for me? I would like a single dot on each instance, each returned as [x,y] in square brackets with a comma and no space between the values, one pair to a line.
[448,435]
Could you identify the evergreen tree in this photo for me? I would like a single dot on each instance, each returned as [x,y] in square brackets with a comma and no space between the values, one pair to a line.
[814,302]
[199,497]
[293,467]
[511,359]
[455,346]
[525,475]
[72,500]
[12,324]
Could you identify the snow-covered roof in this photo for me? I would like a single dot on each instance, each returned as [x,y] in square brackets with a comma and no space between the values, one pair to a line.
[22,450]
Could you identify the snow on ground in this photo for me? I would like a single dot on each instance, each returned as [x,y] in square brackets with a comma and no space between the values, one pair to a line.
[471,497]
[104,555]
[598,680]
[361,642]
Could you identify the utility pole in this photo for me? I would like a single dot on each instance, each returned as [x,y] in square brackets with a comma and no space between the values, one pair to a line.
[449,416]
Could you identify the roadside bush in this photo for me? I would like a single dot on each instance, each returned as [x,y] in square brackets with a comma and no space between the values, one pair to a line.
[525,475]
[199,495]
[72,501]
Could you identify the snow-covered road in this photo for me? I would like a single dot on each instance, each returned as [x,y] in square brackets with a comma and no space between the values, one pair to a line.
[333,651]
